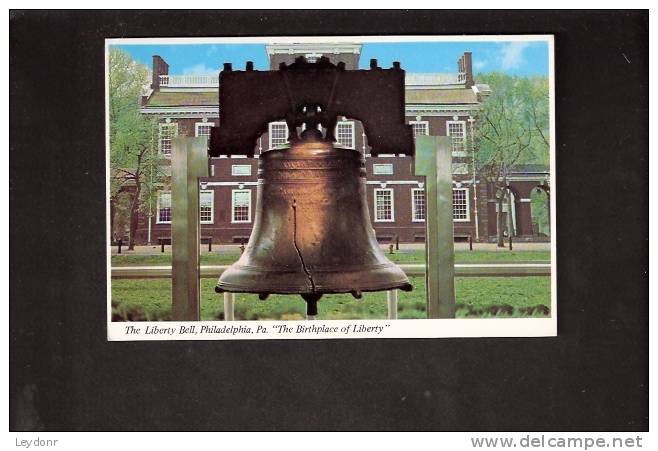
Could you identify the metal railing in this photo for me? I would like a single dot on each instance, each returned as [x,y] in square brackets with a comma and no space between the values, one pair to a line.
[189,81]
[433,79]
[461,270]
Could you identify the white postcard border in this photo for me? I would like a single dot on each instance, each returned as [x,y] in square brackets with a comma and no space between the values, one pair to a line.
[340,329]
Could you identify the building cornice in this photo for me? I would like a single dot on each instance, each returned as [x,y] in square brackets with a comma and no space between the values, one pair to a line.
[324,48]
[412,87]
[410,110]
[542,176]
[440,110]
[183,112]
[212,89]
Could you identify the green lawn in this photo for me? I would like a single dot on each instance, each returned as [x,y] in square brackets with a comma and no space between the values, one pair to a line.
[477,297]
[150,300]
[401,256]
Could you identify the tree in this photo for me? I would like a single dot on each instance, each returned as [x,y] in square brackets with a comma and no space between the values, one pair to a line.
[511,129]
[134,161]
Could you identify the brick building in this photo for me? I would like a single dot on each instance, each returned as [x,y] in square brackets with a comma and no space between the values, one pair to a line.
[436,104]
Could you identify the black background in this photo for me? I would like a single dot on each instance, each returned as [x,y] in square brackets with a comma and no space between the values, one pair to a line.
[64,375]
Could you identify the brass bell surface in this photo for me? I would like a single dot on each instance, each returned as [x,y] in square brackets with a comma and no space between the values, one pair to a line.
[312,233]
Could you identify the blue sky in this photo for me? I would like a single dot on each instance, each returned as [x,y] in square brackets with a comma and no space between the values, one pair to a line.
[512,57]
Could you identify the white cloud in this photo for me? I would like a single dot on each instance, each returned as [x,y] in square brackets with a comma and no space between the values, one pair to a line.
[511,55]
[200,69]
[479,64]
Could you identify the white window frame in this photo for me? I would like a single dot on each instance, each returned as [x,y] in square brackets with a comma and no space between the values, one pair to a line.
[157,208]
[468,205]
[198,125]
[375,166]
[413,204]
[457,153]
[234,172]
[389,190]
[233,193]
[269,132]
[162,125]
[460,168]
[427,127]
[352,127]
[212,206]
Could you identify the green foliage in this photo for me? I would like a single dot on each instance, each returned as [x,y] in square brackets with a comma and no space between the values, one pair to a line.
[512,128]
[134,160]
[477,297]
[133,136]
[513,125]
[121,224]
[540,211]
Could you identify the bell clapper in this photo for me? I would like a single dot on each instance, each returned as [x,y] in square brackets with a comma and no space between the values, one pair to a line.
[311,304]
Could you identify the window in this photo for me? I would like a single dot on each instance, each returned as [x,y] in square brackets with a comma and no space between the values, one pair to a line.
[278,132]
[420,127]
[167,132]
[202,129]
[345,133]
[382,169]
[384,205]
[241,205]
[457,133]
[417,204]
[460,207]
[206,206]
[164,208]
[460,168]
[313,57]
[241,169]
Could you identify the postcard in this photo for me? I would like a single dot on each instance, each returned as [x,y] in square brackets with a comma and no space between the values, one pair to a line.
[293,187]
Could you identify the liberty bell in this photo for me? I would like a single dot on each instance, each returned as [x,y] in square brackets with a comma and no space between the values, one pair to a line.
[312,233]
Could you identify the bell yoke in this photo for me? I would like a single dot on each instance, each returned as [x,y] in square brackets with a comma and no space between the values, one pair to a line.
[312,233]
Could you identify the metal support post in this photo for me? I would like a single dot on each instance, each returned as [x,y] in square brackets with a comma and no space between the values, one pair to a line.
[229,306]
[392,300]
[434,161]
[189,161]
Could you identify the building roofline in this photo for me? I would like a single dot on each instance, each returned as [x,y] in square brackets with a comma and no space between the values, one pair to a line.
[328,47]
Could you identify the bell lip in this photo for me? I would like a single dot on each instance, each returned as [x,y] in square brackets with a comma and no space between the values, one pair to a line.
[382,276]
[400,286]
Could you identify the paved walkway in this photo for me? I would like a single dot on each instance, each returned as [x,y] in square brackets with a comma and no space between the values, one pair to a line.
[235,248]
